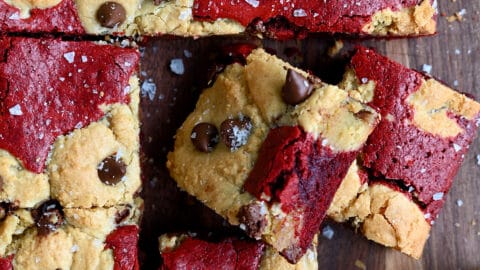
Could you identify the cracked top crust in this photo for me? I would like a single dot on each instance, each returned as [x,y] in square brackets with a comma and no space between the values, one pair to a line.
[206,17]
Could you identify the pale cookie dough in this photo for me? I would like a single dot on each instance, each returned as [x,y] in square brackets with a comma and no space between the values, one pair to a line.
[76,158]
[19,186]
[382,214]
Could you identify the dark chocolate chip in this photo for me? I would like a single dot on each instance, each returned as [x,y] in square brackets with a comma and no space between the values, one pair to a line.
[122,215]
[297,88]
[111,170]
[48,217]
[204,137]
[235,132]
[254,219]
[111,14]
[157,2]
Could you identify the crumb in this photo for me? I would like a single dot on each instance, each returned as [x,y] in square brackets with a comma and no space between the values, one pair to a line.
[458,16]
[457,225]
[336,48]
[360,265]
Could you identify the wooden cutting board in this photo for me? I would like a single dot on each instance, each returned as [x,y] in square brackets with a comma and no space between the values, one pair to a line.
[453,54]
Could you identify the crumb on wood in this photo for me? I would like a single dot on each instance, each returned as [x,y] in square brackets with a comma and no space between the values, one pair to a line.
[360,265]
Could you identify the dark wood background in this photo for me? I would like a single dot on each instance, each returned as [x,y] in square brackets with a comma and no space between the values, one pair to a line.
[454,56]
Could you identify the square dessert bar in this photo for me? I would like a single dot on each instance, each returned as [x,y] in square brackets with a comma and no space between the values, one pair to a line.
[214,17]
[69,155]
[193,252]
[267,147]
[411,158]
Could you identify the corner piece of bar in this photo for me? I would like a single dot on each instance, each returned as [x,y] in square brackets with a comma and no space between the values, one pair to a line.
[411,158]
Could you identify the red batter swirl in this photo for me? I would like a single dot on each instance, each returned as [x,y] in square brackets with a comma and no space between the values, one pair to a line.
[50,87]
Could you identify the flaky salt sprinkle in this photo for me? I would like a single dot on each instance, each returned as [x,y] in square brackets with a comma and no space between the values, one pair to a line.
[299,13]
[176,66]
[253,3]
[427,68]
[185,14]
[149,89]
[459,203]
[14,16]
[84,59]
[16,110]
[438,196]
[74,248]
[328,232]
[70,57]
[457,147]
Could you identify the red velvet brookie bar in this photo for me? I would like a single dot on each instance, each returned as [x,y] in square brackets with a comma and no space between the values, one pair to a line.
[69,155]
[215,17]
[411,158]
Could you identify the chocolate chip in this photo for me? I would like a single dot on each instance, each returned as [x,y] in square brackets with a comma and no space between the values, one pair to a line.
[254,219]
[111,170]
[157,2]
[297,88]
[204,137]
[122,215]
[111,14]
[235,132]
[48,217]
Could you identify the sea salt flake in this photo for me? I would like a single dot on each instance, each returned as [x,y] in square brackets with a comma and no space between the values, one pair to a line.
[438,196]
[70,57]
[457,147]
[149,89]
[253,3]
[459,203]
[328,232]
[427,68]
[187,53]
[478,159]
[84,59]
[16,110]
[364,80]
[176,66]
[299,13]
[74,248]
[185,14]
[14,16]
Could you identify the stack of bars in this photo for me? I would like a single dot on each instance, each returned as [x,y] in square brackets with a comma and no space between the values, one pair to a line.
[269,147]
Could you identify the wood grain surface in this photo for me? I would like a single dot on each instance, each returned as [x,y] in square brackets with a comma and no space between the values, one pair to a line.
[454,55]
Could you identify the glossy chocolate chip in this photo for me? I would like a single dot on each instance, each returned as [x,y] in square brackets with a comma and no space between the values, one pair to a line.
[235,132]
[204,137]
[111,14]
[157,2]
[48,217]
[297,88]
[111,170]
